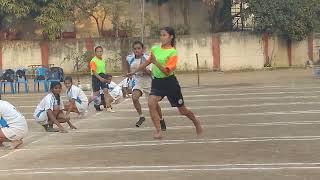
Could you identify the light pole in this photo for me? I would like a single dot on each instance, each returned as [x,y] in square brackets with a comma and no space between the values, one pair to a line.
[142,20]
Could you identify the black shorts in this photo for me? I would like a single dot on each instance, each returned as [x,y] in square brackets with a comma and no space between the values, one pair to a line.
[97,84]
[169,87]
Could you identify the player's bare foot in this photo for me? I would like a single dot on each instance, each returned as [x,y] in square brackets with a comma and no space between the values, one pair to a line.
[157,135]
[15,144]
[73,127]
[109,109]
[62,130]
[199,128]
[82,115]
[2,146]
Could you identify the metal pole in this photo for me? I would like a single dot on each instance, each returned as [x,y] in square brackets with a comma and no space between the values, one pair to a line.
[198,74]
[77,66]
[142,20]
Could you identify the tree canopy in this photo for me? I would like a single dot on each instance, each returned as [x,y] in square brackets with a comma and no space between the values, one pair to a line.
[292,19]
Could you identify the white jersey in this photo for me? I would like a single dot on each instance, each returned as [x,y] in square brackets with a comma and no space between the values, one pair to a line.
[114,88]
[124,83]
[142,80]
[13,125]
[127,83]
[101,91]
[77,94]
[135,65]
[10,116]
[48,102]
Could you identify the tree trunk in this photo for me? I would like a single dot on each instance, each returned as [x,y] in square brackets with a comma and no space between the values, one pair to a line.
[159,12]
[186,9]
[98,25]
[241,16]
[116,19]
[124,46]
[172,14]
[220,16]
[226,17]
[102,22]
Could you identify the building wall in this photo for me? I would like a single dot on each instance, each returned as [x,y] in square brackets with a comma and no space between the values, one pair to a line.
[58,50]
[188,47]
[278,52]
[300,53]
[241,51]
[238,50]
[19,54]
[316,46]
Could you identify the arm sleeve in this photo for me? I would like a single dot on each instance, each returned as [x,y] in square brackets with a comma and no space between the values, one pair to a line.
[49,102]
[75,93]
[61,105]
[149,57]
[93,66]
[172,63]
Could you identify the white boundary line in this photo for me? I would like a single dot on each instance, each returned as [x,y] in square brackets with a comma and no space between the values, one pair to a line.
[221,107]
[270,113]
[158,170]
[186,91]
[264,124]
[172,142]
[210,89]
[228,106]
[240,99]
[197,89]
[234,125]
[210,100]
[9,153]
[258,93]
[161,168]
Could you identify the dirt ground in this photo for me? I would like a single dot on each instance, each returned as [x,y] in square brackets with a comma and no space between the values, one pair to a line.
[258,125]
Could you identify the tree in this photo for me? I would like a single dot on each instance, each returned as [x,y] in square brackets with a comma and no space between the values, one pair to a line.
[209,2]
[292,19]
[50,14]
[184,8]
[220,17]
[12,11]
[17,7]
[99,10]
[95,9]
[53,15]
[118,6]
[185,11]
[159,3]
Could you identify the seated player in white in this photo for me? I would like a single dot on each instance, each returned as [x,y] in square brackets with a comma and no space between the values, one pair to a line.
[13,125]
[50,110]
[115,91]
[78,101]
[99,101]
[126,86]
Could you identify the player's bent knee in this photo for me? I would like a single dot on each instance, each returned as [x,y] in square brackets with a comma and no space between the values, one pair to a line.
[135,98]
[152,104]
[183,110]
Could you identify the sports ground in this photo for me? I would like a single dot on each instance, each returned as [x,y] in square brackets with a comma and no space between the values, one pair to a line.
[257,125]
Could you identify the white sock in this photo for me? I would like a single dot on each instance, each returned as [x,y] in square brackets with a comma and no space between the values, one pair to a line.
[141,115]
